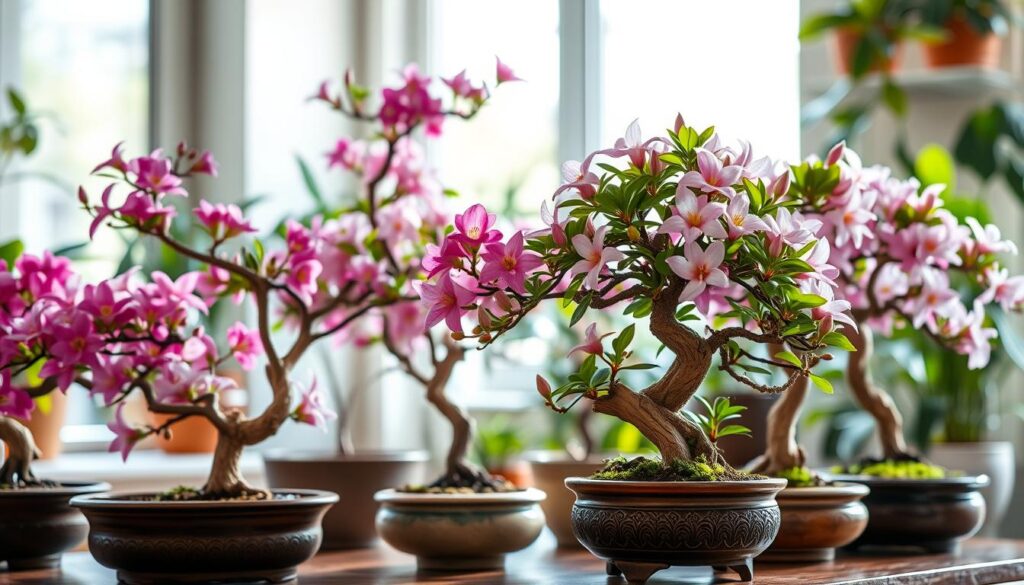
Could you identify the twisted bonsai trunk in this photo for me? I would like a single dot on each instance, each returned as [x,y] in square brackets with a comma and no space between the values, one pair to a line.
[21,450]
[782,451]
[873,399]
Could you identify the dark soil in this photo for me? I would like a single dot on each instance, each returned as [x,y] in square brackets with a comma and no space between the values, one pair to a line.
[466,481]
[644,469]
[188,494]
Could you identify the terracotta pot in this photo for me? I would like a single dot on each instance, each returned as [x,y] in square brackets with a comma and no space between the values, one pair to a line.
[195,434]
[550,471]
[641,527]
[740,450]
[37,525]
[929,515]
[992,458]
[150,542]
[845,45]
[355,478]
[816,521]
[460,532]
[45,428]
[518,472]
[963,46]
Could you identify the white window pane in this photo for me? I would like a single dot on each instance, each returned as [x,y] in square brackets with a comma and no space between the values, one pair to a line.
[729,63]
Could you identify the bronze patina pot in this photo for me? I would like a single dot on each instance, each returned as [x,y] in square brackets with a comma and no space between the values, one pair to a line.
[37,524]
[816,521]
[151,542]
[929,515]
[641,527]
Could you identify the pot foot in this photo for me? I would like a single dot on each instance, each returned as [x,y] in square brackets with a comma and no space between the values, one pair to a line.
[274,577]
[611,569]
[463,564]
[806,555]
[47,562]
[745,569]
[635,572]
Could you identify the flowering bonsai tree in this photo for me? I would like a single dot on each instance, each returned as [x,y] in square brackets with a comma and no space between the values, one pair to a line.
[898,258]
[696,237]
[395,231]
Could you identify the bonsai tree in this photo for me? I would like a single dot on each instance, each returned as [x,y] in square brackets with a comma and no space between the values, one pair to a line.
[692,235]
[901,259]
[396,228]
[132,334]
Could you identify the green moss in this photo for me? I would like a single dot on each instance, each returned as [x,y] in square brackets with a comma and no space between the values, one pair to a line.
[644,469]
[179,494]
[800,477]
[896,469]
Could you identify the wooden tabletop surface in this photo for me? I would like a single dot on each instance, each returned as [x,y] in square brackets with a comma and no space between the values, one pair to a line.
[982,561]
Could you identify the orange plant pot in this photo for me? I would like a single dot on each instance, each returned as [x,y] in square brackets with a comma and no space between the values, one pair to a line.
[46,427]
[192,435]
[845,44]
[517,472]
[963,46]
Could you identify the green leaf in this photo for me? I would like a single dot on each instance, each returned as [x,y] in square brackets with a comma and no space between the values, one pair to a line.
[801,300]
[581,309]
[639,367]
[310,181]
[733,430]
[17,103]
[790,357]
[11,251]
[976,147]
[822,383]
[623,340]
[894,98]
[837,339]
[934,166]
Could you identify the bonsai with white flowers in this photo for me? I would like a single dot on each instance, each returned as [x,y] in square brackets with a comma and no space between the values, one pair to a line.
[698,239]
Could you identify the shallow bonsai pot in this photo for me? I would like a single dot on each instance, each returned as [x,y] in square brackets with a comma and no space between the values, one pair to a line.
[37,524]
[150,542]
[460,532]
[550,471]
[355,478]
[640,527]
[930,515]
[816,521]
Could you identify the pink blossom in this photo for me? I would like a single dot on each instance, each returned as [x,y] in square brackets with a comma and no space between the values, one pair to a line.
[125,436]
[790,228]
[222,221]
[739,219]
[575,177]
[244,344]
[711,176]
[935,297]
[404,323]
[448,256]
[696,217]
[180,292]
[504,72]
[106,307]
[347,154]
[153,173]
[302,278]
[205,164]
[591,343]
[103,210]
[110,377]
[508,265]
[116,160]
[145,212]
[77,344]
[555,225]
[632,144]
[891,282]
[13,401]
[445,300]
[311,409]
[852,222]
[1007,290]
[459,84]
[177,383]
[700,268]
[594,256]
[835,154]
[835,309]
[988,239]
[474,227]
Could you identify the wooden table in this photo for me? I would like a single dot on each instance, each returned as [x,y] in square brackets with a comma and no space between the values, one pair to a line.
[981,562]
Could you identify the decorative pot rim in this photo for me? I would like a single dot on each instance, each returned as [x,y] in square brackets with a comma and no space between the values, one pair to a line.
[965,481]
[63,488]
[767,486]
[526,496]
[368,456]
[123,501]
[838,488]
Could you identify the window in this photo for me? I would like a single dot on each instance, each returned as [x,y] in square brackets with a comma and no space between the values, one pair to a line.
[87,71]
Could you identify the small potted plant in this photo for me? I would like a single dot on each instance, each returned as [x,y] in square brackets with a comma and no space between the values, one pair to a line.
[697,238]
[36,522]
[902,259]
[385,231]
[137,333]
[971,32]
[869,34]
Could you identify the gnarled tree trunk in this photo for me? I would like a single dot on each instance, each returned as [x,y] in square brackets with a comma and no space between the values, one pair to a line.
[873,399]
[21,450]
[782,451]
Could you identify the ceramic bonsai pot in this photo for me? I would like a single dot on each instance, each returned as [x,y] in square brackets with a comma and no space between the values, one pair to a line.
[550,471]
[930,515]
[460,532]
[992,458]
[816,521]
[37,524]
[355,478]
[640,527]
[150,542]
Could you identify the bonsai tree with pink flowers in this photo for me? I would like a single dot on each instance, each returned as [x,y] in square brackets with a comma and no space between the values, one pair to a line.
[139,333]
[694,236]
[901,259]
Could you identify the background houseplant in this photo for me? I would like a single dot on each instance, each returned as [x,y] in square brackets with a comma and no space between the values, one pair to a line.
[971,31]
[698,232]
